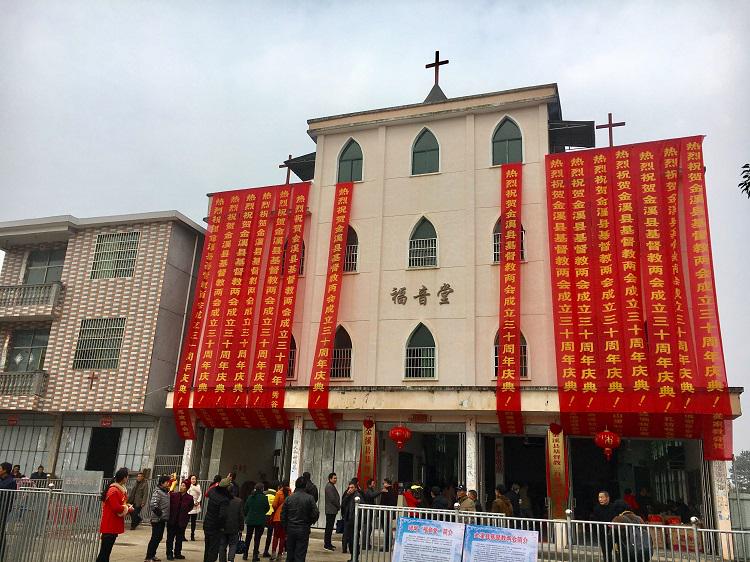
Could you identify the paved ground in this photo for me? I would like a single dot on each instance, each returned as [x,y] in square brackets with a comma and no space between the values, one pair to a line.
[131,547]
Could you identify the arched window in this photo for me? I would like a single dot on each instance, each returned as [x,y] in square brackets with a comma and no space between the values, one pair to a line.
[423,245]
[291,374]
[506,143]
[524,358]
[301,268]
[352,250]
[420,354]
[350,163]
[341,366]
[425,157]
[497,243]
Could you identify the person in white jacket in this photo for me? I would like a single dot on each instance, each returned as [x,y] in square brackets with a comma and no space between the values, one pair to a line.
[197,493]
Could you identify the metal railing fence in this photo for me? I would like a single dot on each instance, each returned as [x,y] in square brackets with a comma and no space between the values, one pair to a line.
[568,540]
[48,526]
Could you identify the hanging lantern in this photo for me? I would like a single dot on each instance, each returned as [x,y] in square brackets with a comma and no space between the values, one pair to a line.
[607,440]
[555,428]
[400,435]
[369,423]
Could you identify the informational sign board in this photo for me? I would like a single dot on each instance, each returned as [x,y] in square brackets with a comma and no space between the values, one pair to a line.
[498,544]
[421,540]
[82,481]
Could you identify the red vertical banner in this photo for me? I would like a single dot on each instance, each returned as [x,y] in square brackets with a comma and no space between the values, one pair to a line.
[320,376]
[508,392]
[613,351]
[717,437]
[628,271]
[268,307]
[657,284]
[238,321]
[273,399]
[560,237]
[218,249]
[688,378]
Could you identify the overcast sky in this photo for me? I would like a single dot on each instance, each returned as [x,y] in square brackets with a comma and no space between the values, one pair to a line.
[117,107]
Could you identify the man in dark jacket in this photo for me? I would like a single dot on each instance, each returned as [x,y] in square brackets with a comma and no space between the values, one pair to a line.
[348,504]
[215,519]
[39,474]
[159,516]
[605,512]
[299,512]
[388,497]
[138,499]
[439,501]
[332,506]
[310,488]
[232,529]
[370,497]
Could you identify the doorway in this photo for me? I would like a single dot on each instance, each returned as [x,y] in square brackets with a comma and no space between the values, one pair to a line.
[103,447]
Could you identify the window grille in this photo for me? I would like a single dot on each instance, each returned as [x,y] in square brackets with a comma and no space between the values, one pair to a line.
[497,244]
[115,254]
[291,365]
[507,144]
[44,266]
[423,252]
[99,342]
[27,350]
[420,363]
[524,357]
[350,163]
[420,354]
[341,365]
[352,250]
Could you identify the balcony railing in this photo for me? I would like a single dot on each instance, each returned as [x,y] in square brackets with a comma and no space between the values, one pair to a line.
[29,301]
[24,383]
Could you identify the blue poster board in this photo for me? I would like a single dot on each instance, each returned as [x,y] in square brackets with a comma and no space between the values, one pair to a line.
[422,540]
[498,544]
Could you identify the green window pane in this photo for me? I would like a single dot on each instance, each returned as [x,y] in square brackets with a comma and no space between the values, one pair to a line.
[421,337]
[424,231]
[35,276]
[350,163]
[514,150]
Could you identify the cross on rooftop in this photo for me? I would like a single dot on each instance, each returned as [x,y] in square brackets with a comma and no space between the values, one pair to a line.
[436,65]
[288,170]
[610,125]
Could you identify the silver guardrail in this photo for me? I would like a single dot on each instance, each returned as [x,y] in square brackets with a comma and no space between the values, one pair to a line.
[567,539]
[38,525]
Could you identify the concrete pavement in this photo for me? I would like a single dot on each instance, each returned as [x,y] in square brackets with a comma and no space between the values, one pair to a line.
[131,547]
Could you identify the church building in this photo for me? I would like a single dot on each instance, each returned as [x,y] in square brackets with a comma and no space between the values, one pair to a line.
[426,337]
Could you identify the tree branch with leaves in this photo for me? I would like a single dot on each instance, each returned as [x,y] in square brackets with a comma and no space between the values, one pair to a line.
[744,185]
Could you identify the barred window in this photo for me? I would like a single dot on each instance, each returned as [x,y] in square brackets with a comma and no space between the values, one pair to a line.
[44,266]
[497,242]
[291,374]
[27,350]
[99,342]
[420,354]
[506,143]
[341,366]
[352,250]
[350,163]
[114,255]
[423,245]
[425,158]
[524,356]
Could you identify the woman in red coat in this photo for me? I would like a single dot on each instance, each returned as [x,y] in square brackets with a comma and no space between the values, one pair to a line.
[114,509]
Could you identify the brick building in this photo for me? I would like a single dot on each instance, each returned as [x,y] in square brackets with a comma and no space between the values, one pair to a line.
[91,313]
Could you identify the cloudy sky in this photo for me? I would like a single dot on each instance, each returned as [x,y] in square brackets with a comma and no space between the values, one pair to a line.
[123,106]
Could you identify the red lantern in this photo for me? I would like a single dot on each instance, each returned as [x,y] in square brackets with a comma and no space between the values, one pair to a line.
[607,440]
[555,428]
[369,423]
[400,435]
